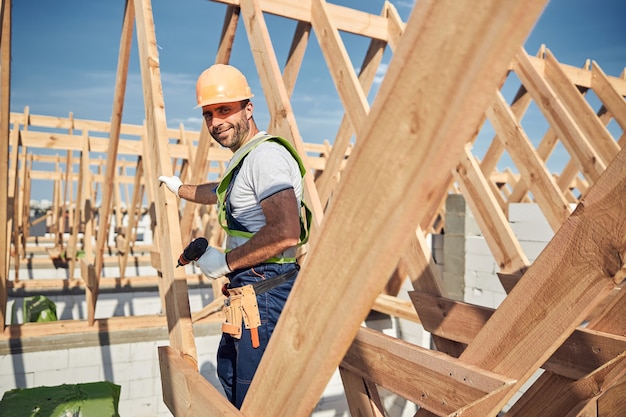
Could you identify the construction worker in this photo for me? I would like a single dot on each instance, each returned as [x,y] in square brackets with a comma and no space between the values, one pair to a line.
[259,203]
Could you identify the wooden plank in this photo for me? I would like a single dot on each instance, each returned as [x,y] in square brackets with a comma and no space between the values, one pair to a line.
[72,246]
[532,169]
[112,324]
[186,392]
[13,230]
[582,77]
[303,353]
[362,395]
[585,117]
[338,61]
[559,118]
[5,94]
[495,227]
[519,105]
[611,99]
[134,214]
[114,138]
[348,19]
[296,55]
[175,286]
[430,379]
[614,400]
[395,25]
[567,397]
[544,150]
[610,320]
[396,307]
[331,174]
[133,148]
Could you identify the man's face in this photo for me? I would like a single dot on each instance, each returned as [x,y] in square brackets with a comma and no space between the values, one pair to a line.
[228,123]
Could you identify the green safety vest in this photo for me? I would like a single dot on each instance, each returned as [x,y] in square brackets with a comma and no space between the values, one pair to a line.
[306,214]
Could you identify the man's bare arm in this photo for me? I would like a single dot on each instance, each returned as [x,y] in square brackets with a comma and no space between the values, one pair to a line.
[202,193]
[281,232]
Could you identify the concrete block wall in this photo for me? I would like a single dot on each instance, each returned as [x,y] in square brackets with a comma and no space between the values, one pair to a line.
[469,267]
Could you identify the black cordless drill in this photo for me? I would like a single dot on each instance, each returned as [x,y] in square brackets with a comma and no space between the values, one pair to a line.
[193,251]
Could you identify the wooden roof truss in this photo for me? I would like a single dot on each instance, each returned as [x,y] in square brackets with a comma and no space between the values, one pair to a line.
[373,204]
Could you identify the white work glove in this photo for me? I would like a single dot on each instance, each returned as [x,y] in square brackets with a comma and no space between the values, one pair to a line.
[173,183]
[213,263]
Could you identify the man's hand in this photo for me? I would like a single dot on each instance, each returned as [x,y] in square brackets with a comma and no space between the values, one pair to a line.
[173,183]
[213,263]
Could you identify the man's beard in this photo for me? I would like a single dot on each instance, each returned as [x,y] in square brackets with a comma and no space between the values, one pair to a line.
[238,133]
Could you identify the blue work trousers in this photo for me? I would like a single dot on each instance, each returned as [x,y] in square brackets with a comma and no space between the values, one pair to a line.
[237,360]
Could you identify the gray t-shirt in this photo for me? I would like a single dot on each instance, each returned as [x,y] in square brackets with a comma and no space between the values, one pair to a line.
[266,170]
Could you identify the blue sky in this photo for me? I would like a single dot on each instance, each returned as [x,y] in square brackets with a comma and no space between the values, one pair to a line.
[64,56]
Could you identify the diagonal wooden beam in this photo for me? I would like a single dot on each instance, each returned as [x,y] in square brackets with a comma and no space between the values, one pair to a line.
[494,225]
[591,126]
[555,396]
[531,167]
[329,177]
[296,55]
[560,119]
[283,119]
[605,91]
[560,288]
[338,61]
[426,142]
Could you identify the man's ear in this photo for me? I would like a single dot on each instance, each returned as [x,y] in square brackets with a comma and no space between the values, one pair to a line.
[249,110]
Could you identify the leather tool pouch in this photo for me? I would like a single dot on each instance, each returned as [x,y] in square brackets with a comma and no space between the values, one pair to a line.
[241,306]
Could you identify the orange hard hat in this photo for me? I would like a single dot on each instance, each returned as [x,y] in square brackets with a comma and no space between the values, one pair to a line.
[221,84]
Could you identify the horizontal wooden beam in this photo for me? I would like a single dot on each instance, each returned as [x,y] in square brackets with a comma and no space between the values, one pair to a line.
[433,380]
[122,323]
[396,307]
[127,283]
[582,352]
[347,19]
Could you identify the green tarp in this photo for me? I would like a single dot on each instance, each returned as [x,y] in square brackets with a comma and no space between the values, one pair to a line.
[95,399]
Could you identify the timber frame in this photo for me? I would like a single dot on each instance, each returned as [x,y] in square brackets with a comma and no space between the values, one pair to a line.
[483,356]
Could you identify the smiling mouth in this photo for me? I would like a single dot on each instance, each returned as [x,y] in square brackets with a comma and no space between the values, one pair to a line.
[221,131]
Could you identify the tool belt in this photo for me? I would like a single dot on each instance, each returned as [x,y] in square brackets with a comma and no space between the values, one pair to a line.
[241,305]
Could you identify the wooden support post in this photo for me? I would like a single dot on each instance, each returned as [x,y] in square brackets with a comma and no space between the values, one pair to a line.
[114,137]
[5,100]
[175,284]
